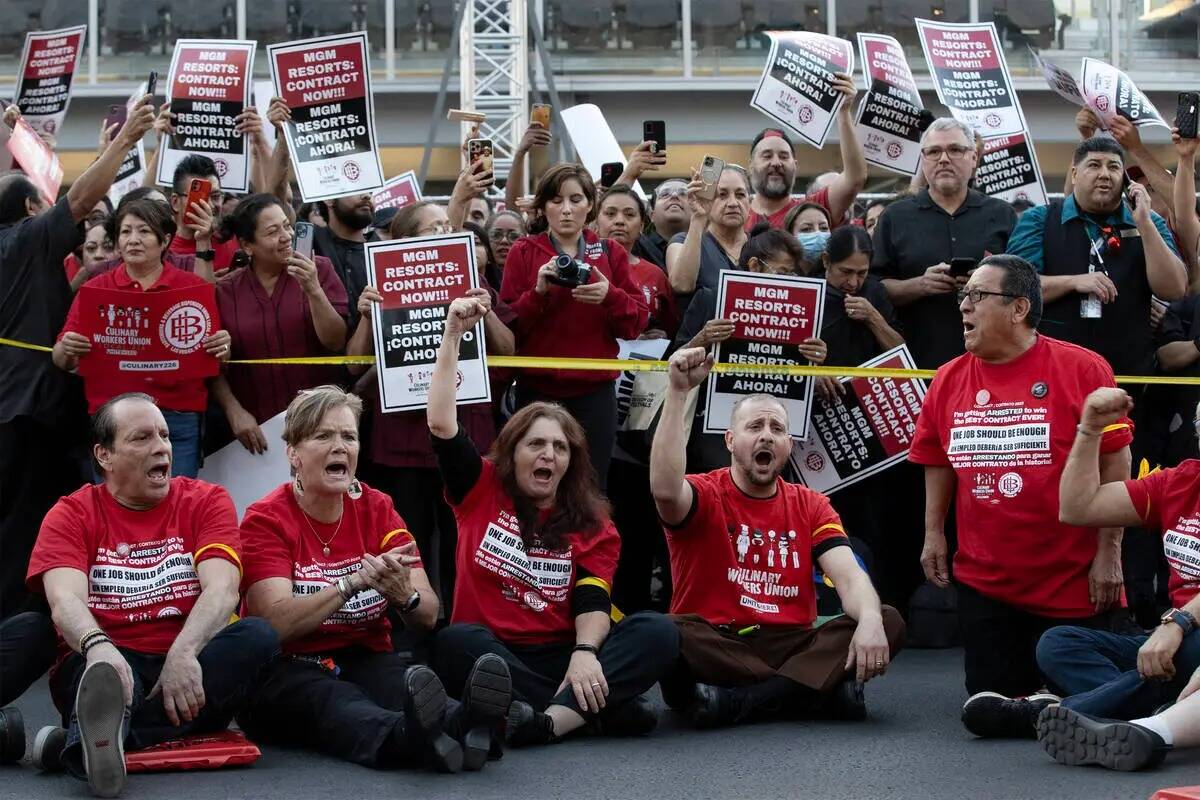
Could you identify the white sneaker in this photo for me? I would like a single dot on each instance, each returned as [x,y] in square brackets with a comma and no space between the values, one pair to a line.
[47,749]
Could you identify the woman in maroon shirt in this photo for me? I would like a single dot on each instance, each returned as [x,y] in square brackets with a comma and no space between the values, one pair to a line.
[580,321]
[282,306]
[404,465]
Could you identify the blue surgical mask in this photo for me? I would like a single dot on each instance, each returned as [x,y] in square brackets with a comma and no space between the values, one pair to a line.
[814,244]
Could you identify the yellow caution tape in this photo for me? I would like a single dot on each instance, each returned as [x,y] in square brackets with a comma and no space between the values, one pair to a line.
[638,365]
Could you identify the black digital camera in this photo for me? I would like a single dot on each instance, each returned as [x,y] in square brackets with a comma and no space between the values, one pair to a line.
[570,272]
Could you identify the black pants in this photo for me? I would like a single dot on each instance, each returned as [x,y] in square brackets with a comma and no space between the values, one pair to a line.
[28,645]
[231,664]
[353,712]
[38,465]
[1000,642]
[639,650]
[418,493]
[596,412]
[642,539]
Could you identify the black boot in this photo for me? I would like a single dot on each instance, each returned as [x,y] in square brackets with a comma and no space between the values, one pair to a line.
[635,717]
[527,727]
[424,710]
[479,722]
[715,707]
[12,735]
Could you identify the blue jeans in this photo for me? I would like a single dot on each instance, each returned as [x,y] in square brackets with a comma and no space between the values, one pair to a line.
[1097,672]
[231,666]
[185,442]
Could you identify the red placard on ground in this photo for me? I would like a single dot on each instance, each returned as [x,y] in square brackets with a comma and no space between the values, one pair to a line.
[772,316]
[326,82]
[37,159]
[48,66]
[208,86]
[418,278]
[399,192]
[148,333]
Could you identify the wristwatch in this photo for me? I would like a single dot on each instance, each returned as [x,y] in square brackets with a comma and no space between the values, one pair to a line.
[1181,618]
[414,600]
[206,255]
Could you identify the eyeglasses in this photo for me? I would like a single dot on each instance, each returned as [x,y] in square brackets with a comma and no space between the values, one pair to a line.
[977,295]
[956,152]
[497,235]
[668,192]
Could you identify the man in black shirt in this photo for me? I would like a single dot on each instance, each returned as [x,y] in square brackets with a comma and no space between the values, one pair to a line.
[668,216]
[916,238]
[43,419]
[348,225]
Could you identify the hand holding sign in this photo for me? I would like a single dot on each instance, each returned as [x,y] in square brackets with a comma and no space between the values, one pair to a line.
[278,112]
[218,345]
[592,293]
[1126,133]
[688,368]
[1086,122]
[845,84]
[367,301]
[164,123]
[74,345]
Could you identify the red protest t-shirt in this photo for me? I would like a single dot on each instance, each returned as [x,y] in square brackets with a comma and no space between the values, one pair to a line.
[1169,500]
[522,596]
[1006,430]
[225,251]
[776,220]
[656,290]
[742,560]
[173,395]
[280,543]
[140,565]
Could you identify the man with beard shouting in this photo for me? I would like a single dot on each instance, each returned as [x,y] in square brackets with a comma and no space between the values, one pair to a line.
[773,169]
[743,542]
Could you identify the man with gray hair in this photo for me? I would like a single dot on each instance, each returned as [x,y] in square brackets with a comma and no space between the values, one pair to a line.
[993,435]
[917,238]
[743,546]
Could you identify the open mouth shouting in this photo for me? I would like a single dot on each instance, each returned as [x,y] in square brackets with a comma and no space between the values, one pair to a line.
[160,473]
[763,458]
[338,470]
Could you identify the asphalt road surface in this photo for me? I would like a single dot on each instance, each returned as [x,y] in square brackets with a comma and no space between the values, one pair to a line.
[912,746]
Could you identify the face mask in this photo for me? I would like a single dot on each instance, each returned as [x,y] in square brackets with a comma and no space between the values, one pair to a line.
[814,243]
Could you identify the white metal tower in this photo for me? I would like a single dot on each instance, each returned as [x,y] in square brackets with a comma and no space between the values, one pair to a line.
[493,73]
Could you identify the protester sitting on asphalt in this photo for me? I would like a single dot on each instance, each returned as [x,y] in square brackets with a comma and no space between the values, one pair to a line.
[326,557]
[743,545]
[536,555]
[283,305]
[993,435]
[141,575]
[1077,739]
[1127,676]
[142,230]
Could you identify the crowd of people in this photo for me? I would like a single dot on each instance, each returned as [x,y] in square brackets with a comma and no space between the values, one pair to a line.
[433,586]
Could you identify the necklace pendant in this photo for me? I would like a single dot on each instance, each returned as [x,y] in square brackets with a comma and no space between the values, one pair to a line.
[326,551]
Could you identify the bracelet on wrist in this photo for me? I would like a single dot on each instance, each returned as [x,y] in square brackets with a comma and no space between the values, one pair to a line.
[1079,429]
[586,648]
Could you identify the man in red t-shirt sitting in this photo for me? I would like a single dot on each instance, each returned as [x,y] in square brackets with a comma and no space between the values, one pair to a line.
[993,434]
[743,542]
[141,574]
[1112,675]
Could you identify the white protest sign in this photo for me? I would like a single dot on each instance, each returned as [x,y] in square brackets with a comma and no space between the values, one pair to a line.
[796,87]
[208,87]
[1110,93]
[889,116]
[772,316]
[593,139]
[971,77]
[248,477]
[326,83]
[418,278]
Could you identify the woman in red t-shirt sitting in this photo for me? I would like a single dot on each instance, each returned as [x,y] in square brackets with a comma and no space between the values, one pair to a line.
[577,312]
[536,555]
[142,230]
[325,558]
